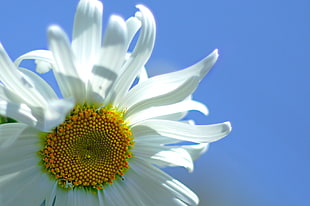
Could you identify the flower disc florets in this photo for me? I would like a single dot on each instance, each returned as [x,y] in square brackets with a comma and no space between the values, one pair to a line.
[90,149]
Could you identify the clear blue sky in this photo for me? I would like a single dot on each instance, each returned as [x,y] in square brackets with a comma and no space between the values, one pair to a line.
[260,84]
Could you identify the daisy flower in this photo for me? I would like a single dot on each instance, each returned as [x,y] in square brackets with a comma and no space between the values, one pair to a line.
[103,140]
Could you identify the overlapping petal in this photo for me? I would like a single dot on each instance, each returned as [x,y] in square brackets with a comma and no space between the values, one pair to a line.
[161,112]
[183,131]
[138,57]
[110,59]
[153,181]
[164,155]
[14,81]
[39,56]
[68,78]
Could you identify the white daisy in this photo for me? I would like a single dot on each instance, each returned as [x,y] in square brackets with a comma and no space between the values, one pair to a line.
[102,141]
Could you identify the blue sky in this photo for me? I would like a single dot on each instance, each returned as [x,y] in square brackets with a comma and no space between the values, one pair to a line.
[260,84]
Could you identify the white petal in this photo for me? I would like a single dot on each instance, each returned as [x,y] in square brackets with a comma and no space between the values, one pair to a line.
[52,194]
[171,155]
[204,66]
[126,194]
[133,26]
[160,188]
[199,69]
[62,198]
[3,93]
[143,76]
[21,152]
[43,119]
[43,66]
[195,151]
[87,32]
[100,84]
[146,135]
[79,198]
[111,197]
[110,60]
[160,111]
[136,190]
[39,55]
[168,80]
[68,79]
[139,56]
[164,155]
[114,44]
[101,198]
[19,112]
[15,82]
[10,133]
[55,113]
[45,90]
[30,187]
[153,94]
[183,131]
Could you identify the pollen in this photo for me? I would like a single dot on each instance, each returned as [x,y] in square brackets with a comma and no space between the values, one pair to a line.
[90,149]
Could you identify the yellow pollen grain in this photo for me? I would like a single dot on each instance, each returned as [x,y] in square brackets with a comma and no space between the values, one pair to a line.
[90,149]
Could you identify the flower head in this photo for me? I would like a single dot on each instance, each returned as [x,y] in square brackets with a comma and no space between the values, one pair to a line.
[102,140]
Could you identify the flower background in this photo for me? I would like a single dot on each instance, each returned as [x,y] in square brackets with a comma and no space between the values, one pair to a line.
[260,83]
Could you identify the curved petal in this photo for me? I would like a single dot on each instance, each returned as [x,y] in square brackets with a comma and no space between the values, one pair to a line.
[45,90]
[43,58]
[156,95]
[195,151]
[203,66]
[143,76]
[68,79]
[43,66]
[164,82]
[164,155]
[139,56]
[87,33]
[162,111]
[133,25]
[43,55]
[183,131]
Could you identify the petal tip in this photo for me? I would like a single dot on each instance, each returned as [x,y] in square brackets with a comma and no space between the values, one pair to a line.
[215,53]
[228,127]
[53,30]
[94,5]
[140,6]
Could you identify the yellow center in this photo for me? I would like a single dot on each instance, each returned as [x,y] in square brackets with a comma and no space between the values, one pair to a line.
[90,149]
